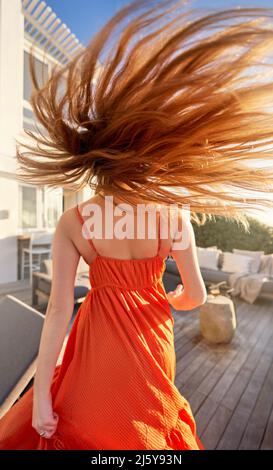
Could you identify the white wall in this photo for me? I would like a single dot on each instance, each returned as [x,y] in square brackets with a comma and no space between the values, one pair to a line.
[8,230]
[12,44]
[11,93]
[11,78]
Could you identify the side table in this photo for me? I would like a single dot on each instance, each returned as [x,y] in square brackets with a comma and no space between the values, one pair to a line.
[217,319]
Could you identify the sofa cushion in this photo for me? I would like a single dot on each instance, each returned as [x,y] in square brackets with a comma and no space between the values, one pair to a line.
[208,257]
[256,255]
[171,277]
[170,281]
[267,287]
[266,266]
[171,266]
[47,267]
[80,291]
[43,282]
[221,260]
[234,263]
[214,275]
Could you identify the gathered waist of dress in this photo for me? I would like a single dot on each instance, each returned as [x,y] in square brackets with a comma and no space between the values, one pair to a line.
[124,287]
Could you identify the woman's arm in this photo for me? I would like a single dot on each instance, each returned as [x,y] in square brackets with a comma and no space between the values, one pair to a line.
[193,292]
[65,258]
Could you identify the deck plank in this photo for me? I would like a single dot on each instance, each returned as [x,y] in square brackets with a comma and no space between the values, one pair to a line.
[237,425]
[267,442]
[211,354]
[261,333]
[239,384]
[210,436]
[227,386]
[256,425]
[229,353]
[216,426]
[197,377]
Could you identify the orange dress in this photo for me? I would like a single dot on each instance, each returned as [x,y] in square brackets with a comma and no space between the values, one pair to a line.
[115,386]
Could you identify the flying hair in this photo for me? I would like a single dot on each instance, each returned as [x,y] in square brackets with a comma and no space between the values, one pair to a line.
[175,107]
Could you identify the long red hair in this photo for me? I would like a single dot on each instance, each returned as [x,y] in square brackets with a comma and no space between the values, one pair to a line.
[183,101]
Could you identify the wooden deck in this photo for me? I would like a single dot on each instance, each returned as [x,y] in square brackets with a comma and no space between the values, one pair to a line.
[229,387]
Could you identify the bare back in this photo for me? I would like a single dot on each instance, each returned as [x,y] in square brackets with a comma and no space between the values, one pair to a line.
[70,244]
[131,247]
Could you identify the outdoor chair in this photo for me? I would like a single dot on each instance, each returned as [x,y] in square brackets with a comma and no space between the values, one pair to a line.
[39,247]
[20,333]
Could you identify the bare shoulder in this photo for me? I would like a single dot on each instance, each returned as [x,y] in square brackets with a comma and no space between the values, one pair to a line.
[96,199]
[68,217]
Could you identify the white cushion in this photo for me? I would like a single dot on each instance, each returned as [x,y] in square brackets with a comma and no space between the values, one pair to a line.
[208,258]
[256,258]
[234,263]
[48,266]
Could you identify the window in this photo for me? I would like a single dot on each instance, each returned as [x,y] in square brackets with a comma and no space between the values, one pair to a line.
[39,207]
[28,207]
[41,72]
[52,206]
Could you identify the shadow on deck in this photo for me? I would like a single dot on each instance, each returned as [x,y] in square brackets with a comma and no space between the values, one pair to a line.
[229,387]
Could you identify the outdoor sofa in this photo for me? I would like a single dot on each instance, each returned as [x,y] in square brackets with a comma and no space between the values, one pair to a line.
[215,274]
[41,284]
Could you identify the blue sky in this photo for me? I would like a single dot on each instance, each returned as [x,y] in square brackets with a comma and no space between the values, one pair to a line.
[86,17]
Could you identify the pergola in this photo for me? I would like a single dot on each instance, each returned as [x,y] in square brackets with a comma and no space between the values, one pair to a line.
[43,27]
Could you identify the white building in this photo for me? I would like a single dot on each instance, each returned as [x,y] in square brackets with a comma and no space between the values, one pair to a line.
[26,208]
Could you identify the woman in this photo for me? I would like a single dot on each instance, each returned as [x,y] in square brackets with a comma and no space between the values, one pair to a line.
[140,133]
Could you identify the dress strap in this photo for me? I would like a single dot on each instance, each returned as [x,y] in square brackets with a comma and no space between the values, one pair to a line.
[159,239]
[84,227]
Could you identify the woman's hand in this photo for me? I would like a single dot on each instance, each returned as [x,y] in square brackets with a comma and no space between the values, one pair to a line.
[173,295]
[43,417]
